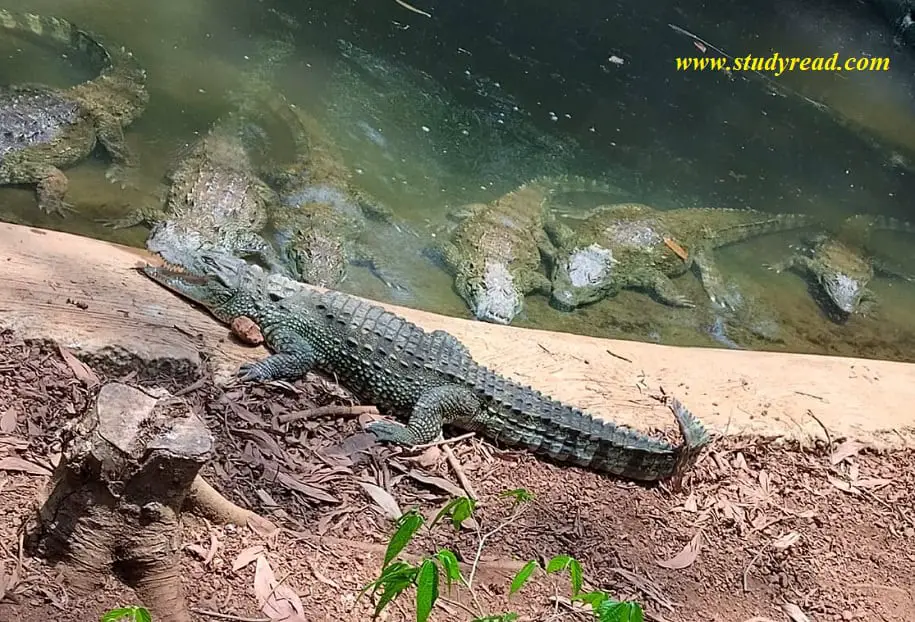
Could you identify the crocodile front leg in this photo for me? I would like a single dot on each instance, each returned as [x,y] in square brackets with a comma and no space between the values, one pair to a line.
[51,184]
[123,169]
[147,215]
[437,405]
[713,281]
[293,359]
[659,286]
[248,244]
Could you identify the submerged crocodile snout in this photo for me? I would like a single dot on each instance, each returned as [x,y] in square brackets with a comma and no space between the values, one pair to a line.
[844,291]
[494,298]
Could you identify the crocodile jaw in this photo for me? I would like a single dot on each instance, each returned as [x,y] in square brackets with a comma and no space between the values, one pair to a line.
[494,297]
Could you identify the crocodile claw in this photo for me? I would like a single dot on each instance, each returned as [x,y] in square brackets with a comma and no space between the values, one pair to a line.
[391,432]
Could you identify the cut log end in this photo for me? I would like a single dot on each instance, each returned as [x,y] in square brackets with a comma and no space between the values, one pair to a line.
[126,469]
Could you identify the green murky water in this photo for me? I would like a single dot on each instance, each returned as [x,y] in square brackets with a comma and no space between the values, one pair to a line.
[428,130]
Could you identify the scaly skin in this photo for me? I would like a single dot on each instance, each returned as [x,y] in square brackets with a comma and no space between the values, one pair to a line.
[622,246]
[321,215]
[496,252]
[842,269]
[215,200]
[429,379]
[47,129]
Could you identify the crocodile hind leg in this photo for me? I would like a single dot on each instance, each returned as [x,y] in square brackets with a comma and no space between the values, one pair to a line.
[50,184]
[293,359]
[659,286]
[438,405]
[713,281]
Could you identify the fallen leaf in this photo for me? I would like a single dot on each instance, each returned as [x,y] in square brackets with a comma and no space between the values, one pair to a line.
[383,499]
[82,371]
[292,483]
[8,421]
[686,557]
[690,504]
[319,576]
[794,612]
[277,601]
[872,482]
[786,540]
[18,465]
[841,484]
[844,451]
[246,557]
[759,619]
[438,482]
[262,526]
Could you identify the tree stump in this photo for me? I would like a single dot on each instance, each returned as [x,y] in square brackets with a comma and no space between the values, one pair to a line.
[115,498]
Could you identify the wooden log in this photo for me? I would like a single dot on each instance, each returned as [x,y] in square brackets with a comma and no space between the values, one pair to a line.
[85,294]
[116,495]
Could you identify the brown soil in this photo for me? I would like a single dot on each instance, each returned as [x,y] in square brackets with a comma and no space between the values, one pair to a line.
[761,530]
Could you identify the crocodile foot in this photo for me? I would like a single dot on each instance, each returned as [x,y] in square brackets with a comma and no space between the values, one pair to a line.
[391,432]
[124,176]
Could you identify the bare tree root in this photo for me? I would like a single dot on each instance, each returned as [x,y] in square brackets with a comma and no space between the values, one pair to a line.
[115,498]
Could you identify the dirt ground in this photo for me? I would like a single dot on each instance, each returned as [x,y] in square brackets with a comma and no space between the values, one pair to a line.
[762,530]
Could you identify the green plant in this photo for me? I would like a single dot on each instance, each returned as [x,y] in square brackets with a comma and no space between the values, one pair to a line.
[397,575]
[133,613]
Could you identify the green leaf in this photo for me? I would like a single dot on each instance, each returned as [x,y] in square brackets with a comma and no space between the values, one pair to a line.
[523,575]
[390,573]
[462,511]
[394,584]
[595,599]
[134,613]
[520,495]
[448,510]
[615,611]
[407,527]
[426,590]
[576,576]
[449,562]
[558,563]
[500,617]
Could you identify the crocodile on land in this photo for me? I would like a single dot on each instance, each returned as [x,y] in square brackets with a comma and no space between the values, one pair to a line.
[321,214]
[427,379]
[496,252]
[841,268]
[46,129]
[634,246]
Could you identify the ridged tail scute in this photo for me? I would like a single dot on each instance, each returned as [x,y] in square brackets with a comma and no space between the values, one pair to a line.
[525,418]
[567,184]
[60,31]
[764,225]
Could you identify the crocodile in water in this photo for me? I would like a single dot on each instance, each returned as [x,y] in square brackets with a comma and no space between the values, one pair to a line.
[840,269]
[634,246]
[496,251]
[429,379]
[321,215]
[46,129]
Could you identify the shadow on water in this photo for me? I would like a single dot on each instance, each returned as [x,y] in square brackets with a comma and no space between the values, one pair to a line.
[435,113]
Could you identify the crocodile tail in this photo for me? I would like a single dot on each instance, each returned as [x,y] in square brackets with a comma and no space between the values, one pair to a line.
[884,223]
[59,31]
[758,224]
[566,184]
[526,418]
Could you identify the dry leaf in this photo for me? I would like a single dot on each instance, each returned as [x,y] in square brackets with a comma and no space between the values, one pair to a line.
[246,557]
[686,557]
[261,526]
[872,482]
[439,482]
[786,540]
[765,482]
[840,484]
[321,577]
[759,619]
[844,451]
[794,612]
[292,483]
[690,504]
[82,371]
[18,465]
[8,421]
[276,600]
[383,499]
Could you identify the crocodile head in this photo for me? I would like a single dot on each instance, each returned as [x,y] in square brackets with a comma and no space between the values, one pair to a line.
[846,292]
[317,259]
[581,277]
[490,292]
[214,291]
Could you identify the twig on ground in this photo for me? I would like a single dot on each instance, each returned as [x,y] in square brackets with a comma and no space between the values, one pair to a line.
[459,472]
[746,571]
[825,430]
[226,616]
[410,7]
[333,410]
[445,441]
